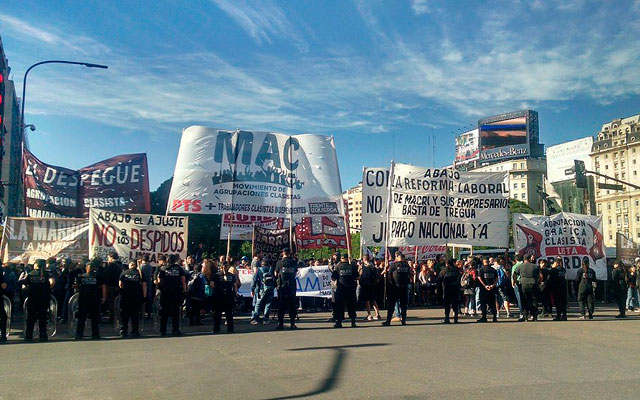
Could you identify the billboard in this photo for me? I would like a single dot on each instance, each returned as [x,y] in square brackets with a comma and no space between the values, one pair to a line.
[467,148]
[508,135]
[560,158]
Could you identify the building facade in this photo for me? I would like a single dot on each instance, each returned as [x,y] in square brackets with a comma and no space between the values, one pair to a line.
[616,153]
[353,200]
[525,174]
[11,140]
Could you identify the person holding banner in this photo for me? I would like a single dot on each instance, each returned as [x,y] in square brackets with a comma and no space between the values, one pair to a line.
[587,284]
[346,275]
[286,270]
[39,284]
[398,278]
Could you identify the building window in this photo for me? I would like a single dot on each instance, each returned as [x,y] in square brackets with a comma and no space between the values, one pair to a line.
[599,208]
[625,204]
[610,237]
[515,166]
[637,203]
[523,185]
[523,196]
[606,156]
[618,220]
[606,166]
[637,218]
[609,221]
[609,206]
[521,165]
[515,185]
[618,204]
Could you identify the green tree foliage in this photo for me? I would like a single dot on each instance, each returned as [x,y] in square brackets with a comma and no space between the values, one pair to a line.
[517,206]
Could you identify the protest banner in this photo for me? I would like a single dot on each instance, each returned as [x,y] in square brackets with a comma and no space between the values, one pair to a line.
[25,240]
[119,184]
[569,236]
[135,235]
[626,249]
[310,282]
[319,232]
[445,206]
[50,191]
[240,226]
[375,182]
[427,252]
[255,173]
[269,243]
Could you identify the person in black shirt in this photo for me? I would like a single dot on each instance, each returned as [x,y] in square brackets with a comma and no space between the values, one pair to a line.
[368,280]
[286,270]
[488,278]
[39,284]
[3,313]
[92,293]
[545,290]
[449,278]
[398,278]
[112,272]
[173,285]
[587,283]
[558,287]
[69,273]
[133,289]
[346,275]
[224,292]
[619,283]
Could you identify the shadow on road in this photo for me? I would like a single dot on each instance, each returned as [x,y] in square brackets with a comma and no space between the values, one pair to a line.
[331,380]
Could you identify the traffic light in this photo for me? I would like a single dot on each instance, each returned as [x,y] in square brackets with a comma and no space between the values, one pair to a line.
[581,174]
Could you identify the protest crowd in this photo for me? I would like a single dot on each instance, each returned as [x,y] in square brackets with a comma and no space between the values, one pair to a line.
[108,292]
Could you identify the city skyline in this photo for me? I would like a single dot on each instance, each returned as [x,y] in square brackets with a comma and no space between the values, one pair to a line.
[379,78]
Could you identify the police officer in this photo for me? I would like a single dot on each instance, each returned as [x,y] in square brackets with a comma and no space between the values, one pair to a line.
[619,283]
[39,284]
[3,313]
[449,279]
[92,293]
[529,274]
[133,289]
[346,276]
[558,287]
[172,283]
[488,278]
[224,292]
[286,269]
[587,284]
[398,278]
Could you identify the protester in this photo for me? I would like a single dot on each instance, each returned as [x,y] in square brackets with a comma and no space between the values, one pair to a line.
[504,280]
[398,280]
[619,286]
[632,292]
[195,296]
[515,283]
[112,272]
[450,281]
[263,287]
[558,286]
[528,273]
[468,285]
[587,284]
[367,281]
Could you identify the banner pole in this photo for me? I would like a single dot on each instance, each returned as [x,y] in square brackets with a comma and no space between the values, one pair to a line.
[347,235]
[386,231]
[253,243]
[291,199]
[416,265]
[229,235]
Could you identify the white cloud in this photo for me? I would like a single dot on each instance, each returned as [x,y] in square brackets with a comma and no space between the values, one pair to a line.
[420,6]
[262,21]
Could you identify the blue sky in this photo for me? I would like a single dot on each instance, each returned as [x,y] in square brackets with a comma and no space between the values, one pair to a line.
[371,73]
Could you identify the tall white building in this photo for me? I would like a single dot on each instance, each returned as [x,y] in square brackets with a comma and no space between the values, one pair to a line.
[353,198]
[616,153]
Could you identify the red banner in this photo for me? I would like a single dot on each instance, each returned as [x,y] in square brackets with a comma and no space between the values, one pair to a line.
[120,184]
[314,233]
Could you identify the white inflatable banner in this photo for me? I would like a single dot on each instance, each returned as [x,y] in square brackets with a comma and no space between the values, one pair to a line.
[310,282]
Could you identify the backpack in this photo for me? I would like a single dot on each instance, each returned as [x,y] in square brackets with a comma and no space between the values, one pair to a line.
[502,277]
[268,279]
[465,282]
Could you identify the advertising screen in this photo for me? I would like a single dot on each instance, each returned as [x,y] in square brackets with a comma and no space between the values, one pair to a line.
[467,146]
[508,135]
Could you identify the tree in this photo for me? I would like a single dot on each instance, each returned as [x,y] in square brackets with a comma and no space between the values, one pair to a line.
[517,207]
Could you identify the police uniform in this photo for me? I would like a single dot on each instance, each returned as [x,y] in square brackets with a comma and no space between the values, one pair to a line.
[224,284]
[529,274]
[586,280]
[287,269]
[90,293]
[39,296]
[488,297]
[3,313]
[170,278]
[450,281]
[558,287]
[346,275]
[130,301]
[618,280]
[398,277]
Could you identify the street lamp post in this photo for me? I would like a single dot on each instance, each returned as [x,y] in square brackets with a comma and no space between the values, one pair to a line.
[24,80]
[24,90]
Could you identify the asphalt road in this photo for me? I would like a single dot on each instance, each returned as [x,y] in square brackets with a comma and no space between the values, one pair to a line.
[546,359]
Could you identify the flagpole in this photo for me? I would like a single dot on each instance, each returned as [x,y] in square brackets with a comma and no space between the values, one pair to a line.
[229,233]
[291,243]
[253,243]
[386,231]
